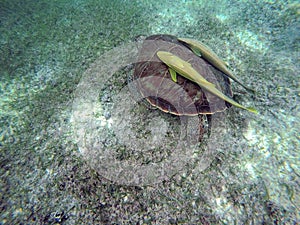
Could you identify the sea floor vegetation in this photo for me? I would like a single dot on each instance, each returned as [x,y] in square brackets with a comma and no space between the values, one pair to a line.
[49,47]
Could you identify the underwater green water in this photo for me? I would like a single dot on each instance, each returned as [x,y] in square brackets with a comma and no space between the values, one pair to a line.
[70,128]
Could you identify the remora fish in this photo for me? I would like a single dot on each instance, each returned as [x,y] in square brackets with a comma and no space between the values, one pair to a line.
[185,69]
[207,54]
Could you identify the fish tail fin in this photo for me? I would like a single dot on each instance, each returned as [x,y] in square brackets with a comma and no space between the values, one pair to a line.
[253,110]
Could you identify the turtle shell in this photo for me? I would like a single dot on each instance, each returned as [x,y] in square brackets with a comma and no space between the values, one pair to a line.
[151,77]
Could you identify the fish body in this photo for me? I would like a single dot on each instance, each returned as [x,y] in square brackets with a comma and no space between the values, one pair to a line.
[177,65]
[185,69]
[206,53]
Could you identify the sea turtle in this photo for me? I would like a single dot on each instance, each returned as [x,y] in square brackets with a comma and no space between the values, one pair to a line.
[160,58]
